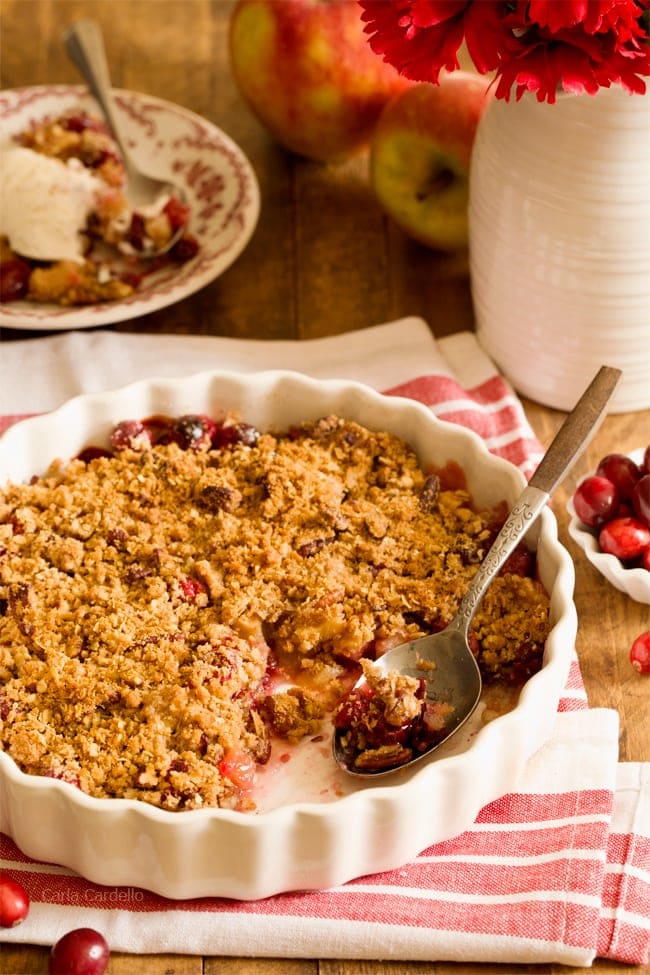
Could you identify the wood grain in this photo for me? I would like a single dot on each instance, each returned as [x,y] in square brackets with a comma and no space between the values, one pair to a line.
[323,260]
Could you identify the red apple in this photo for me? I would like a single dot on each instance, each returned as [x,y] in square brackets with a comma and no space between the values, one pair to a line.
[420,153]
[305,68]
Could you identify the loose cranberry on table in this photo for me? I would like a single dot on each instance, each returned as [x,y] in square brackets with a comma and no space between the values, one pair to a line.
[14,902]
[640,653]
[83,951]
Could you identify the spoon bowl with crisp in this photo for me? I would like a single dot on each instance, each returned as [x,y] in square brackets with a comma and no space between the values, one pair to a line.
[444,660]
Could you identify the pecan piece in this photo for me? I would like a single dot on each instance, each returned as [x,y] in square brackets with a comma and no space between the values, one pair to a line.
[215,498]
[385,757]
[429,493]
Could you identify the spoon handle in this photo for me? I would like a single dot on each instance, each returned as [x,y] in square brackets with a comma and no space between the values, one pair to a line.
[85,45]
[569,442]
[577,430]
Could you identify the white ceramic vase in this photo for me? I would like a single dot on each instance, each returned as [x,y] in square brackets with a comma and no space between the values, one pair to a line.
[559,223]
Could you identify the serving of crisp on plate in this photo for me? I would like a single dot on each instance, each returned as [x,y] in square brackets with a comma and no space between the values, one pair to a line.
[219,182]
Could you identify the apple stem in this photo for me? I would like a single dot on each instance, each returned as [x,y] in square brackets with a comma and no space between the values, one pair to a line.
[439,180]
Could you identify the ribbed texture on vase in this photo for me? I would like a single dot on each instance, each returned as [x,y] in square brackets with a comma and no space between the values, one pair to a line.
[560,243]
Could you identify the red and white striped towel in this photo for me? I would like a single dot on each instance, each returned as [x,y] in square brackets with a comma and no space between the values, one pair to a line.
[557,872]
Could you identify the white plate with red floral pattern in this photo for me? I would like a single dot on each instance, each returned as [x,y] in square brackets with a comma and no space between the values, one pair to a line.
[220,183]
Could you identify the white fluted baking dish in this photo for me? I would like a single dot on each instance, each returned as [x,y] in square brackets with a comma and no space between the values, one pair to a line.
[314,827]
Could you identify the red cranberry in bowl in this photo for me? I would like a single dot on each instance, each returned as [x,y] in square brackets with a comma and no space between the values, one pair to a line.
[626,538]
[621,471]
[596,500]
[641,499]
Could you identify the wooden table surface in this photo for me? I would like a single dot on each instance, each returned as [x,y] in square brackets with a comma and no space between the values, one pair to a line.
[323,260]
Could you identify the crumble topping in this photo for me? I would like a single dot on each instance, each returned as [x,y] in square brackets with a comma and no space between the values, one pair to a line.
[154,596]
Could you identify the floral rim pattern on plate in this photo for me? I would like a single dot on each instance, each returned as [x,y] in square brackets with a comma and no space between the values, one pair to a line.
[219,181]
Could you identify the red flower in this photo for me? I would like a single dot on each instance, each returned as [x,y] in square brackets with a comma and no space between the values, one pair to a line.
[530,45]
[418,37]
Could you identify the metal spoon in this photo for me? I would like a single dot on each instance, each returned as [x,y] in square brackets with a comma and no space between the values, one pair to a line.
[456,677]
[85,45]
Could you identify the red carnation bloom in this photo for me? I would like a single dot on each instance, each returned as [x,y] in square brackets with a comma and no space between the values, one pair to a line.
[418,37]
[531,45]
[592,15]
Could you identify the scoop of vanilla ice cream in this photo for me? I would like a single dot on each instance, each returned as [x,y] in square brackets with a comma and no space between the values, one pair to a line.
[44,204]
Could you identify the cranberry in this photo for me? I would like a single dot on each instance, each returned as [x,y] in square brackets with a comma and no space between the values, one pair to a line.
[14,902]
[645,558]
[191,589]
[92,453]
[645,463]
[79,122]
[64,775]
[79,952]
[14,279]
[194,431]
[626,538]
[352,707]
[184,249]
[130,435]
[641,499]
[595,500]
[137,232]
[640,653]
[621,471]
[97,158]
[178,213]
[235,433]
[132,278]
[519,563]
[160,428]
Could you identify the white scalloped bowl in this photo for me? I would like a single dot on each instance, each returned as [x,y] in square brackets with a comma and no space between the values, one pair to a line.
[635,582]
[315,827]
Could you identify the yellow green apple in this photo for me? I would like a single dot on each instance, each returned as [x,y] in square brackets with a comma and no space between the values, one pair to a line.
[420,157]
[306,70]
